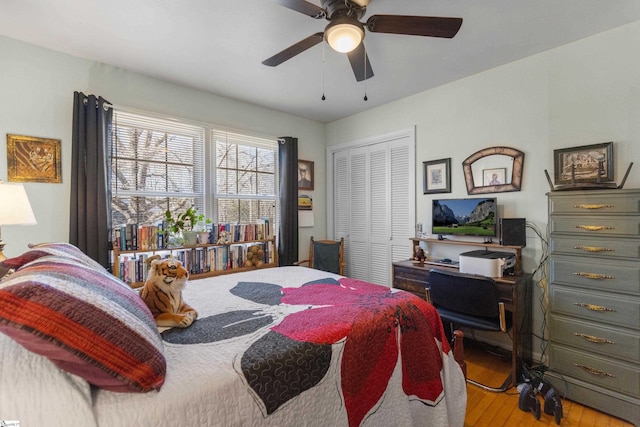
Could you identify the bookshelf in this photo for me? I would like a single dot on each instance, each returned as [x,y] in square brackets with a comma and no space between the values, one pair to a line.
[201,260]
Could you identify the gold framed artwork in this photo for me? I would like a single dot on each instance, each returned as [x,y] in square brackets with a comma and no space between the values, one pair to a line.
[33,159]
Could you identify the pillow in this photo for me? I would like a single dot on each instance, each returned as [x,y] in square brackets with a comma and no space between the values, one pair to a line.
[34,391]
[85,321]
[66,250]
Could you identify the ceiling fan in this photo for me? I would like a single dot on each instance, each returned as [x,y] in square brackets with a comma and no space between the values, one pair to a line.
[345,32]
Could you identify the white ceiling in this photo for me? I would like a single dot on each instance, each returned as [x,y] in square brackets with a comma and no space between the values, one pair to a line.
[218,45]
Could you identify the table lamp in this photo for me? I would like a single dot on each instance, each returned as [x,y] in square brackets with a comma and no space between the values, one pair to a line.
[15,208]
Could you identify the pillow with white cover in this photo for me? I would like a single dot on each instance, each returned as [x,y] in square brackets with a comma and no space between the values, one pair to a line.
[37,393]
[84,320]
[60,249]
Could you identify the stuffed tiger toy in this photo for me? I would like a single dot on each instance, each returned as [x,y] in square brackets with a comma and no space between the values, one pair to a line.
[162,292]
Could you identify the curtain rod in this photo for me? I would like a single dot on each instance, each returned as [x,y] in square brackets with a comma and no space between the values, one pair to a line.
[106,104]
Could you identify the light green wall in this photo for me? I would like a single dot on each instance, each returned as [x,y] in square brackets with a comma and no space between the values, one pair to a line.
[36,99]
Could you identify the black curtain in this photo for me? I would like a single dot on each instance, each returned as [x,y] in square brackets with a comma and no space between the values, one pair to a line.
[288,238]
[90,208]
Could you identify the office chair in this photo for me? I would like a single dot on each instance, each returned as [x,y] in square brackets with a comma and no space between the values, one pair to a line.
[326,255]
[470,301]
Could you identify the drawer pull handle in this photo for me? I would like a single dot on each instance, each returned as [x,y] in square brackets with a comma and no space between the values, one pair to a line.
[591,338]
[593,206]
[594,276]
[594,227]
[593,307]
[593,249]
[594,371]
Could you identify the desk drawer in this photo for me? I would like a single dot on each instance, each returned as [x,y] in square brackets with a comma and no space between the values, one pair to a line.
[596,225]
[413,274]
[600,204]
[595,274]
[594,338]
[412,286]
[595,247]
[598,307]
[618,376]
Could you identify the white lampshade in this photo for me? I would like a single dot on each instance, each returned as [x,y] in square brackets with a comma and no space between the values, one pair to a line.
[15,208]
[344,36]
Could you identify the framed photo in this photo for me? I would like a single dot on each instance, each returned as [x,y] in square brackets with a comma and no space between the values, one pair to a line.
[437,176]
[586,163]
[32,159]
[495,176]
[305,175]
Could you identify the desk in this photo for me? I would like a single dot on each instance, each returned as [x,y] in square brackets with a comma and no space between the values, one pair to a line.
[515,292]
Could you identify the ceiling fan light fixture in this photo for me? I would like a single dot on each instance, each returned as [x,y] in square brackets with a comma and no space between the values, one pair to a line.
[344,36]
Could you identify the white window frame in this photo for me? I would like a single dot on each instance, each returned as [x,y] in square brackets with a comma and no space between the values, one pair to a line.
[208,173]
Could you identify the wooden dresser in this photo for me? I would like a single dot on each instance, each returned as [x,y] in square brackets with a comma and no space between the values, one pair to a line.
[594,299]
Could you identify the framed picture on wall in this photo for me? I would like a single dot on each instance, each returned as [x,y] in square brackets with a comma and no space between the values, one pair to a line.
[586,163]
[33,159]
[437,176]
[495,176]
[305,175]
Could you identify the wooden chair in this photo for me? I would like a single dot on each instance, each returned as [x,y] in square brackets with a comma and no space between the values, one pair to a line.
[471,301]
[326,255]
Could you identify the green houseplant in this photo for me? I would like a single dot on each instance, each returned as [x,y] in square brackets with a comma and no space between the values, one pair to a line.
[184,227]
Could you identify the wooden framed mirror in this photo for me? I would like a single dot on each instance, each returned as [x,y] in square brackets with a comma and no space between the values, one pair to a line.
[493,170]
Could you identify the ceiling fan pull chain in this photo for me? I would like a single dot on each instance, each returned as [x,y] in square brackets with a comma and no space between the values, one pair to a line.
[365,74]
[323,66]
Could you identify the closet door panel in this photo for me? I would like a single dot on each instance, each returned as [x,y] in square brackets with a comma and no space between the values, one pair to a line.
[341,202]
[358,213]
[402,196]
[378,211]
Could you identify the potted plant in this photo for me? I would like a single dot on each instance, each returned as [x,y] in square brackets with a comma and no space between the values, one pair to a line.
[185,226]
[202,226]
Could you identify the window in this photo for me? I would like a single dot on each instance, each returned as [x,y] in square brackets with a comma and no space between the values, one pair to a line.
[155,165]
[246,181]
[159,164]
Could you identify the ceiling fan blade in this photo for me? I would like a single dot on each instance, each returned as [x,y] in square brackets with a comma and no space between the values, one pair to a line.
[430,26]
[293,50]
[357,58]
[304,7]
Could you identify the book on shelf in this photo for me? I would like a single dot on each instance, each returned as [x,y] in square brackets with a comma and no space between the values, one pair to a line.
[134,237]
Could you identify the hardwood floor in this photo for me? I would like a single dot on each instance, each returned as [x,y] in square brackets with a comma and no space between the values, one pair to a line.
[489,409]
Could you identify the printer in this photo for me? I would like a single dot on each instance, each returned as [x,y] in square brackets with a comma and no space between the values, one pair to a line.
[487,263]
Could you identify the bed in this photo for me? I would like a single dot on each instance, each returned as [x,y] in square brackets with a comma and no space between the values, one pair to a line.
[273,347]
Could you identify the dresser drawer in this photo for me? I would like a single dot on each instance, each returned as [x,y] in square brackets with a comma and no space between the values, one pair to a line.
[601,371]
[613,310]
[596,225]
[595,203]
[594,338]
[595,247]
[596,274]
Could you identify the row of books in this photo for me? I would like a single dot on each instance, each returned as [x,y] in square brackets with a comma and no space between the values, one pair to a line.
[197,260]
[134,237]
